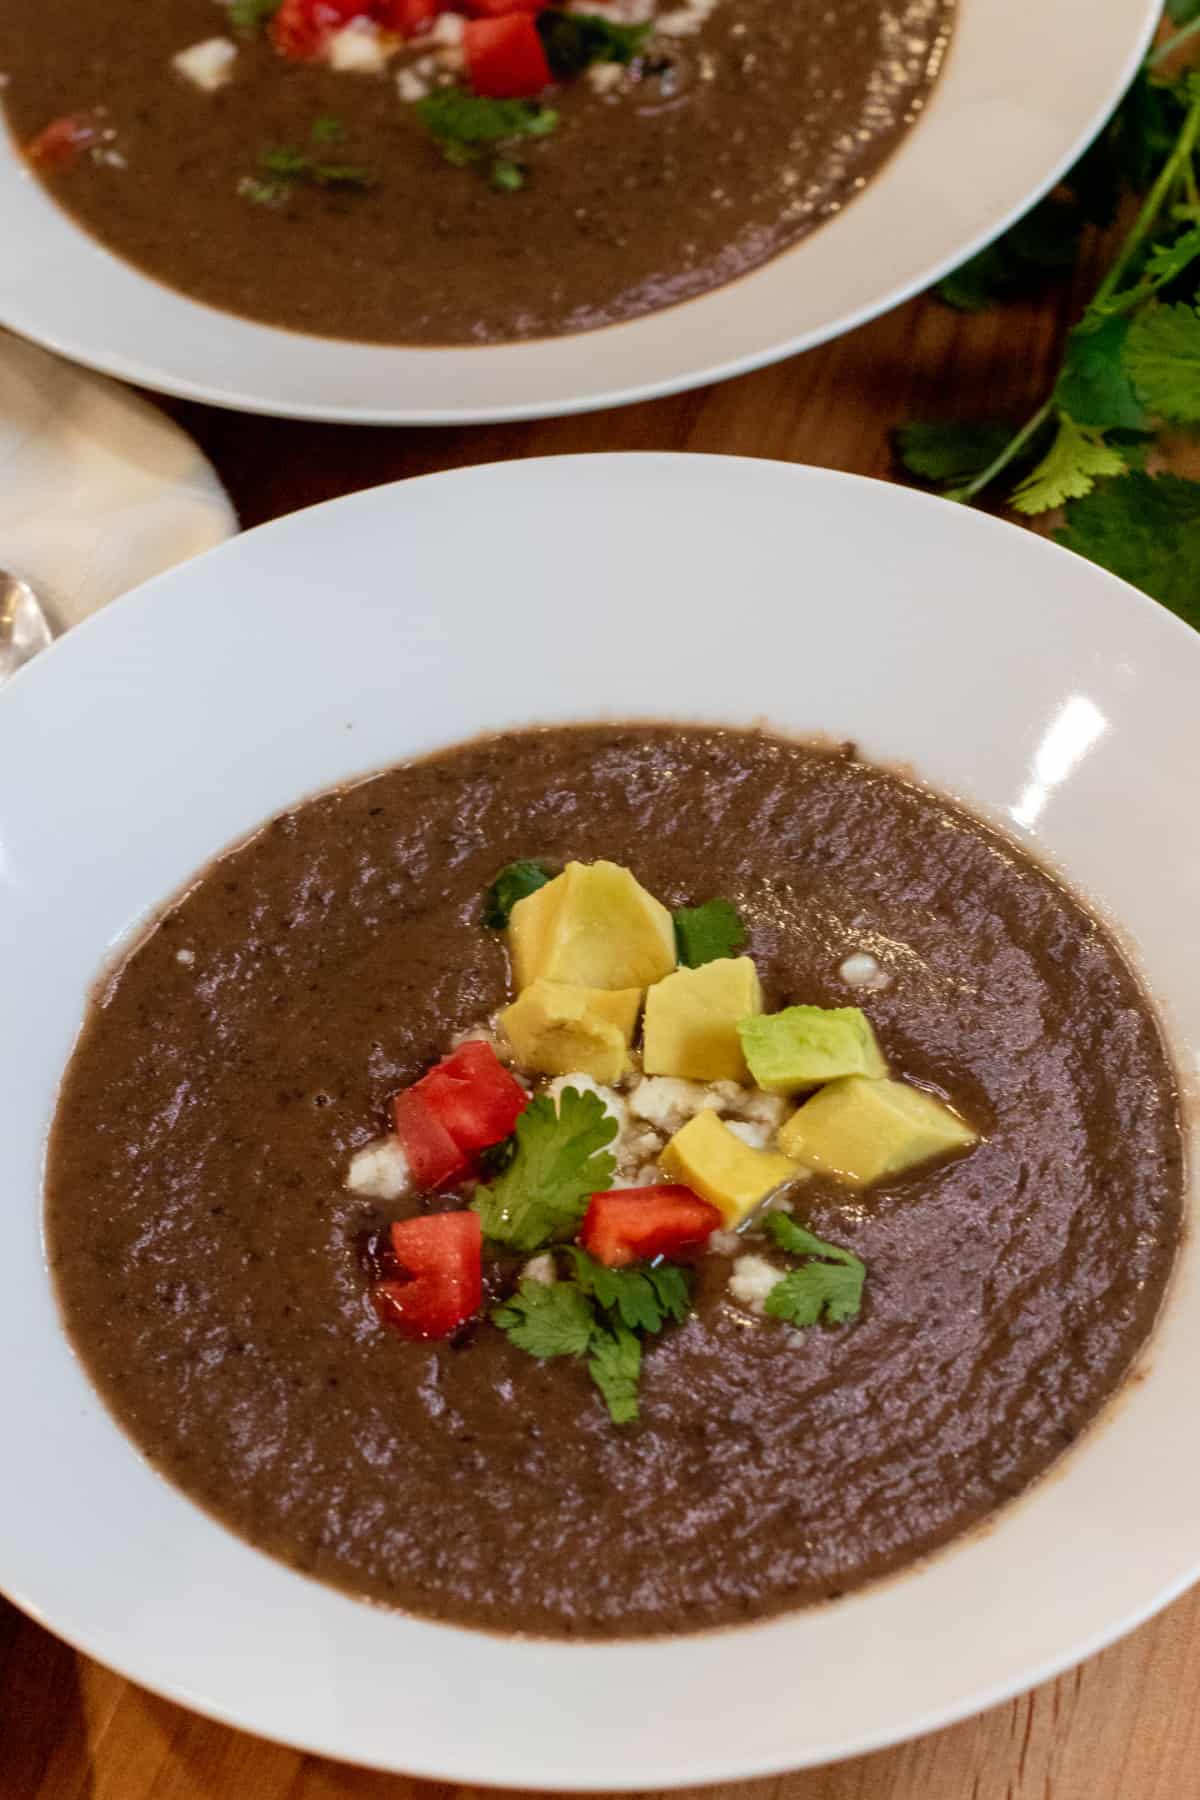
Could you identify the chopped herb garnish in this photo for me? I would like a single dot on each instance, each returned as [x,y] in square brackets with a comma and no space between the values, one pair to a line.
[289,168]
[328,129]
[598,1314]
[507,176]
[252,15]
[511,884]
[573,41]
[615,1365]
[829,1286]
[559,1161]
[705,933]
[548,1318]
[467,126]
[643,1298]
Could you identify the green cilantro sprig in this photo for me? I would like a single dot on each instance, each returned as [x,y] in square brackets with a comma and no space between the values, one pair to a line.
[706,933]
[467,128]
[574,41]
[252,15]
[516,882]
[559,1161]
[598,1313]
[829,1285]
[282,168]
[1131,365]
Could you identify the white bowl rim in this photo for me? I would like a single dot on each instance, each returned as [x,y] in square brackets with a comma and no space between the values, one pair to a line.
[1142,629]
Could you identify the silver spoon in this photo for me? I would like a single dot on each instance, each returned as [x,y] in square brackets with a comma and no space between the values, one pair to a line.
[23,627]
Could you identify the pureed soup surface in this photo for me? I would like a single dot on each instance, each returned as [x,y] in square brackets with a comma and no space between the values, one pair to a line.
[736,127]
[208,1256]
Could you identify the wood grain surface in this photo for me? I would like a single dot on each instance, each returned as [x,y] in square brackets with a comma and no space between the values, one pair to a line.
[1125,1726]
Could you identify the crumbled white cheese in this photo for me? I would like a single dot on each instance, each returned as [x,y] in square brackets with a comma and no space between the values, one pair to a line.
[447,29]
[862,971]
[757,1136]
[685,19]
[759,1108]
[751,1280]
[207,65]
[358,49]
[669,1102]
[185,956]
[725,1243]
[612,1102]
[604,77]
[540,1268]
[410,86]
[379,1170]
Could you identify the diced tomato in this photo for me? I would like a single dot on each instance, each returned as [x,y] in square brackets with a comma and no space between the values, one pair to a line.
[442,1255]
[302,28]
[433,1156]
[473,1096]
[505,58]
[408,17]
[636,1224]
[499,9]
[63,141]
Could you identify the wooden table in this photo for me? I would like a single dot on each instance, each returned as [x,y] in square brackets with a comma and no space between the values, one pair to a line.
[1123,1727]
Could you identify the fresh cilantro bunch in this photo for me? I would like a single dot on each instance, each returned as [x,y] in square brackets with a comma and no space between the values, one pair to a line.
[559,1159]
[601,1314]
[1132,363]
[828,1285]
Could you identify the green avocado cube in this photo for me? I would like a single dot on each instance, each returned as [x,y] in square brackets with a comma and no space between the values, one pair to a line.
[861,1130]
[803,1046]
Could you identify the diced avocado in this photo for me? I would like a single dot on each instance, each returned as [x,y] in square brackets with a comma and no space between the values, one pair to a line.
[861,1130]
[594,926]
[561,1029]
[709,1158]
[803,1046]
[691,1026]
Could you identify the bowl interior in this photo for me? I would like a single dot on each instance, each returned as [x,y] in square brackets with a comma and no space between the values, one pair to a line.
[1039,690]
[1000,129]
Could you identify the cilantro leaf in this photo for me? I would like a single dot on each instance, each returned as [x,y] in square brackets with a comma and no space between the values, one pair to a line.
[1070,468]
[1094,387]
[252,15]
[560,1161]
[547,1319]
[1163,358]
[814,1290]
[511,884]
[573,41]
[328,129]
[704,934]
[615,1365]
[644,1299]
[1145,528]
[830,1288]
[465,125]
[948,449]
[506,176]
[1168,261]
[1182,12]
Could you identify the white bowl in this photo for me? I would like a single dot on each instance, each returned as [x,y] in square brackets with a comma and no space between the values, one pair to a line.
[1027,83]
[1048,695]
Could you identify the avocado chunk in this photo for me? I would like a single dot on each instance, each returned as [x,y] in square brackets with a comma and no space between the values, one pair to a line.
[717,1165]
[862,1130]
[803,1046]
[691,1026]
[559,1028]
[594,926]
